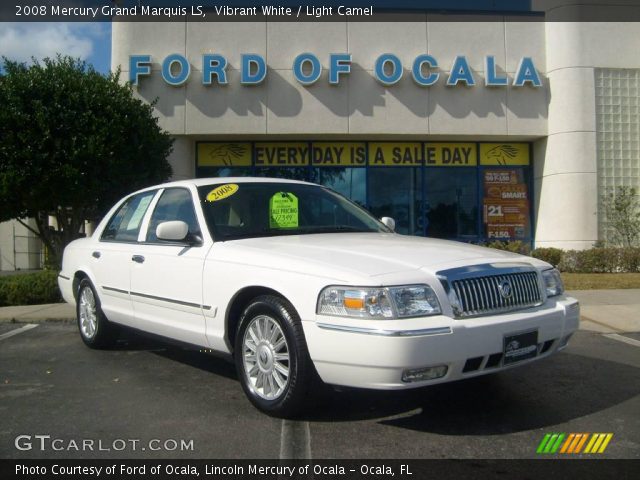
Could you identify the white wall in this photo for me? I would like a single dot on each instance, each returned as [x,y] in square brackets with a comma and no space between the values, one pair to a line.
[19,248]
[566,179]
[359,104]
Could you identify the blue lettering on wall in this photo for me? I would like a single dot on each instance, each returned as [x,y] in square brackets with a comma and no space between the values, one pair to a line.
[253,69]
[527,73]
[307,69]
[299,66]
[460,72]
[214,65]
[416,71]
[139,65]
[339,63]
[396,69]
[491,75]
[183,68]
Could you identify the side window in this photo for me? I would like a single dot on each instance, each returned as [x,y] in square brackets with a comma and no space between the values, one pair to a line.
[174,204]
[125,224]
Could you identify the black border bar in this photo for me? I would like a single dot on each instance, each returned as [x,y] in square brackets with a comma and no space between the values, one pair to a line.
[413,469]
[374,11]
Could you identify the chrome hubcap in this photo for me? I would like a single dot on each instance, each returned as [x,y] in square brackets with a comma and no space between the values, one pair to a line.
[88,316]
[265,356]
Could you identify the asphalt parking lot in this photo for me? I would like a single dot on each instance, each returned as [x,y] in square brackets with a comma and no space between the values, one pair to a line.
[162,401]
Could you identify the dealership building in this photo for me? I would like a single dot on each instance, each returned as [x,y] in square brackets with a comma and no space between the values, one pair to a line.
[509,128]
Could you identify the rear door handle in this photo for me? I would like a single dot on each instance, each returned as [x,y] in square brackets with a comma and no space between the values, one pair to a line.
[96,254]
[138,258]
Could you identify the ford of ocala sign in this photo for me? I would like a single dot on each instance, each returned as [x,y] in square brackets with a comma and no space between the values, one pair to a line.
[388,70]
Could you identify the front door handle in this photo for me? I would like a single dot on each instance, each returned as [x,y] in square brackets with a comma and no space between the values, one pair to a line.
[96,254]
[138,258]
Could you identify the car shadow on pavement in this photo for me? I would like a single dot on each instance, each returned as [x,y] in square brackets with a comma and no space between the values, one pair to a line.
[538,395]
[202,359]
[541,394]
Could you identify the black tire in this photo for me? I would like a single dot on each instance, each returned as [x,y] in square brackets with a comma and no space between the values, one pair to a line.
[102,334]
[301,372]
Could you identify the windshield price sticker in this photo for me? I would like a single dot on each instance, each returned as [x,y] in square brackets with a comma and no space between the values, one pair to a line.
[283,210]
[222,192]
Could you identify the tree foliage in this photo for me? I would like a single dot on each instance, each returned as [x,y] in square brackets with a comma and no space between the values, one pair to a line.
[622,209]
[72,142]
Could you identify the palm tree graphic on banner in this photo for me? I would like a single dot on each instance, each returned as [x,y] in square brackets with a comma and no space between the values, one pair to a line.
[502,153]
[226,153]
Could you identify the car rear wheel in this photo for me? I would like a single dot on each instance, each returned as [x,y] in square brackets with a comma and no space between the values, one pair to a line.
[95,329]
[272,358]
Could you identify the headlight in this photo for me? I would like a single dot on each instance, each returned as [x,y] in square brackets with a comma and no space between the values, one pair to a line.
[552,282]
[381,303]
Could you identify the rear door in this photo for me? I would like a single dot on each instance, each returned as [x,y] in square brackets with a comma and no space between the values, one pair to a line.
[166,277]
[111,259]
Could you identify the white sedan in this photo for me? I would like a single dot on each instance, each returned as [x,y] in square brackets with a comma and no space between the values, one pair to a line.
[296,282]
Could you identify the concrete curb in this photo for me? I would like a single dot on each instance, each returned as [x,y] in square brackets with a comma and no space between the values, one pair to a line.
[53,312]
[36,320]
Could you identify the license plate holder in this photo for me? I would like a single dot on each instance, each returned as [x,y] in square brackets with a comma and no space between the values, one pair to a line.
[520,346]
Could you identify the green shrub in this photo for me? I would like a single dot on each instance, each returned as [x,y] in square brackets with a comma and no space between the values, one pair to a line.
[601,260]
[30,288]
[516,246]
[550,255]
[569,261]
[630,259]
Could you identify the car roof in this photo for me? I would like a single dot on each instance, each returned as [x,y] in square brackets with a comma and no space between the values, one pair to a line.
[199,182]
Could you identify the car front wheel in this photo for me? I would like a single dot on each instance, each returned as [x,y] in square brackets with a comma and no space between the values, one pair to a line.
[95,329]
[272,358]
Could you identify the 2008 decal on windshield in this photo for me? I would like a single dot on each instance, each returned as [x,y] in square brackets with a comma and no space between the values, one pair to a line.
[222,192]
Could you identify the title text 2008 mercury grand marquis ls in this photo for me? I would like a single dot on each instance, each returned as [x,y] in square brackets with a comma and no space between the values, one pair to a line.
[297,282]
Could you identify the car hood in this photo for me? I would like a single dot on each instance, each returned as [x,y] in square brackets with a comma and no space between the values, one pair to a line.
[370,254]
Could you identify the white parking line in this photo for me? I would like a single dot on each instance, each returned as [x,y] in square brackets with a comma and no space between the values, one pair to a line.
[28,326]
[295,440]
[622,338]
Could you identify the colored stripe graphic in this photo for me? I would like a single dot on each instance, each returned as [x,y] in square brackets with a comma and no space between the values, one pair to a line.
[543,443]
[550,443]
[598,443]
[555,447]
[573,443]
[567,443]
[607,439]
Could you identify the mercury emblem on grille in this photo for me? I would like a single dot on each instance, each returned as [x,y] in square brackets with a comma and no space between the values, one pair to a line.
[504,288]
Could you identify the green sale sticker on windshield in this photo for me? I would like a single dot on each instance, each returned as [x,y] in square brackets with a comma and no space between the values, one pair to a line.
[283,210]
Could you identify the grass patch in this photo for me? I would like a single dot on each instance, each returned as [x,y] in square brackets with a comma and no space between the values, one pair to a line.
[597,281]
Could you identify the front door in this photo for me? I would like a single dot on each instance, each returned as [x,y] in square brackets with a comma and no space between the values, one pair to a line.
[166,277]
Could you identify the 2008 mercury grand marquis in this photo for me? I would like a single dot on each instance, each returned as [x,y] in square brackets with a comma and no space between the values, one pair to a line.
[296,282]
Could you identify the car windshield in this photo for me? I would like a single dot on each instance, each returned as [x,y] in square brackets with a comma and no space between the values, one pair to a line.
[247,210]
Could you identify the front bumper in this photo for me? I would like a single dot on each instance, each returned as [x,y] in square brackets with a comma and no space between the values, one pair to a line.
[374,354]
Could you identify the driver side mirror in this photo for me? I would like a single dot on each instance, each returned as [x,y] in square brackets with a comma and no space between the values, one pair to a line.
[389,223]
[174,231]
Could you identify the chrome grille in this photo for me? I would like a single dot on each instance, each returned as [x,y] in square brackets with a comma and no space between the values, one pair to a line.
[482,295]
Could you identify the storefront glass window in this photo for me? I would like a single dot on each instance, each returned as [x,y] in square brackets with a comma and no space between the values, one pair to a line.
[397,192]
[350,182]
[466,191]
[451,203]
